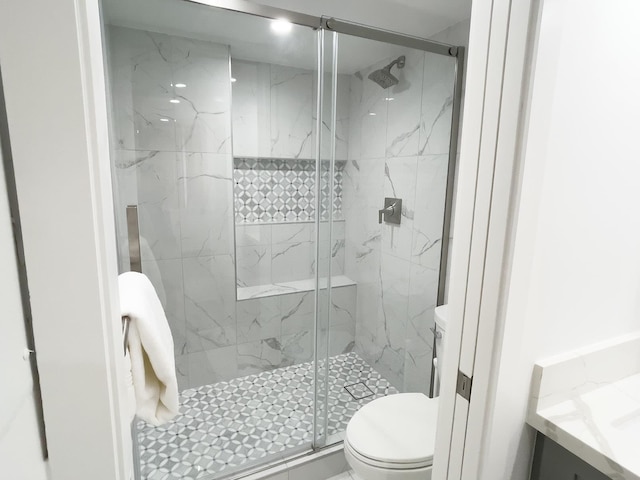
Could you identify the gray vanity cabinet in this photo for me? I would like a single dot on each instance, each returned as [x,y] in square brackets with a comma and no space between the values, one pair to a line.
[553,462]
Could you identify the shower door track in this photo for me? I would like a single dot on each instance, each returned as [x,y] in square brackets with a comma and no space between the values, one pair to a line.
[333,24]
[266,469]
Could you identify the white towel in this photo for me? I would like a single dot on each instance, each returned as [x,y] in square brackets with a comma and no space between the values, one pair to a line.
[151,349]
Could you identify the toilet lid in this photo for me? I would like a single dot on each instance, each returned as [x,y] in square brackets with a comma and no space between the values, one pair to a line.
[397,428]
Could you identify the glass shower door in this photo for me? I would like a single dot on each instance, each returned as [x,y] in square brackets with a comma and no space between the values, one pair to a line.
[214,140]
[388,138]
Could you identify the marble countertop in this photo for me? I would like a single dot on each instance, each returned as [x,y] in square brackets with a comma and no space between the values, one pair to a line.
[589,402]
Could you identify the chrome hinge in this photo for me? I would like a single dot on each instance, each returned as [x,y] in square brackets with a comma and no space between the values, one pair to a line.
[464,386]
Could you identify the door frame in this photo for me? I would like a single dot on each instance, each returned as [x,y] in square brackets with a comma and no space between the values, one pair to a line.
[497,88]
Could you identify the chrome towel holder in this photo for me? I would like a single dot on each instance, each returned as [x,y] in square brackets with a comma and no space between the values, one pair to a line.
[135,261]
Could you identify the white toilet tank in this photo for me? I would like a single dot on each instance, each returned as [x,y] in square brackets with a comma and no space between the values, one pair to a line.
[441,328]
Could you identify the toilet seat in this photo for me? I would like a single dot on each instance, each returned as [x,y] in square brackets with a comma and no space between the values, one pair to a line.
[385,465]
[396,432]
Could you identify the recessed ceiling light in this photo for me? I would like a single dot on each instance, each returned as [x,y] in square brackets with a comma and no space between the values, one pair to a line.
[174,100]
[164,119]
[281,26]
[181,85]
[233,79]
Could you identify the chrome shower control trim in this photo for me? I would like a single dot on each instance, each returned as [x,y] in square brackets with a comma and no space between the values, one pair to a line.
[392,211]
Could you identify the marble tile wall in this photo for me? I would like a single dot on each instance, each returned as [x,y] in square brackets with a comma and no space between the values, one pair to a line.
[398,147]
[274,111]
[283,252]
[175,161]
[273,117]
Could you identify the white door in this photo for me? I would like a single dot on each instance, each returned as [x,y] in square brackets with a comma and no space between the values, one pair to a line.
[487,191]
[21,451]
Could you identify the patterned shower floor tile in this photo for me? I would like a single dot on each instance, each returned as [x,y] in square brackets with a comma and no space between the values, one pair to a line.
[233,425]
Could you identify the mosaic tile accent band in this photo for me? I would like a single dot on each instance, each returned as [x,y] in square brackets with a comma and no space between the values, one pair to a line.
[233,425]
[283,190]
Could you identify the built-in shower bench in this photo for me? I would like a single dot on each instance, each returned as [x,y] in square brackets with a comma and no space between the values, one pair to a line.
[285,288]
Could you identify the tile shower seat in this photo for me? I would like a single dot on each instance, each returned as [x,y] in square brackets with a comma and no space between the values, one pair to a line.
[284,288]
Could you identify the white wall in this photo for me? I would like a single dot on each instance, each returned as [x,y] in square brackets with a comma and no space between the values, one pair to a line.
[575,276]
[21,455]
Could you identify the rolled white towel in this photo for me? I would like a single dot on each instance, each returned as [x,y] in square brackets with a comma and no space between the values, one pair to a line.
[150,346]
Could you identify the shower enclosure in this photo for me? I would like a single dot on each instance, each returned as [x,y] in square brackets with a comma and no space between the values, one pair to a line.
[293,181]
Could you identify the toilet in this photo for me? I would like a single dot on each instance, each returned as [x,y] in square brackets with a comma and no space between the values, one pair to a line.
[393,437]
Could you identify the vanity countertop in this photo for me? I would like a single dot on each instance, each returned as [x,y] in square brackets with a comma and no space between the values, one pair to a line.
[589,402]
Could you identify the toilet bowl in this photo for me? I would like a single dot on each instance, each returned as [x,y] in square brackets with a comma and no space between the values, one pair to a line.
[393,437]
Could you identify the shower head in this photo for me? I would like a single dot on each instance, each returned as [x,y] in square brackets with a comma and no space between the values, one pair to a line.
[383,77]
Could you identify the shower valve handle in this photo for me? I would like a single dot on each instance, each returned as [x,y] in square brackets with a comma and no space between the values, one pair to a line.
[389,210]
[392,211]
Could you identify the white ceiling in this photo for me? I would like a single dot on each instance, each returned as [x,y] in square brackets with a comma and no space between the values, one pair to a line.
[251,38]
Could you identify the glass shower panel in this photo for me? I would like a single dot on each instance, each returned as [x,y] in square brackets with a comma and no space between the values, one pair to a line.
[391,148]
[213,134]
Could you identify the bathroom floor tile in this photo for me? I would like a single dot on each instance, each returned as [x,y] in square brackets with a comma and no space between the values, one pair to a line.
[229,426]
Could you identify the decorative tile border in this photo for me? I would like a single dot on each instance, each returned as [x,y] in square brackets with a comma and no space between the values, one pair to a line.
[283,190]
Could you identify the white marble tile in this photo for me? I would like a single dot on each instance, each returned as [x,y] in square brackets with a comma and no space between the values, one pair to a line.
[423,293]
[400,182]
[245,108]
[368,121]
[166,277]
[341,133]
[342,117]
[212,366]
[292,233]
[297,312]
[342,338]
[206,204]
[363,197]
[251,109]
[343,300]
[258,319]
[209,301]
[423,288]
[291,112]
[403,118]
[417,370]
[259,356]
[292,261]
[429,211]
[254,265]
[271,290]
[151,77]
[286,288]
[297,347]
[437,102]
[203,116]
[182,371]
[119,45]
[158,205]
[250,235]
[394,281]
